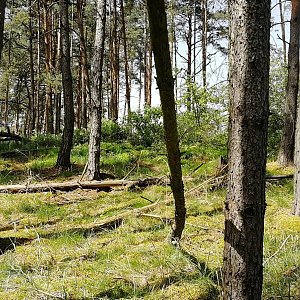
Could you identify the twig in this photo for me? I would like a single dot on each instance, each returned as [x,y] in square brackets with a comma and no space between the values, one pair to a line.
[151,201]
[196,169]
[131,170]
[83,172]
[278,250]
[204,228]
[202,184]
[162,219]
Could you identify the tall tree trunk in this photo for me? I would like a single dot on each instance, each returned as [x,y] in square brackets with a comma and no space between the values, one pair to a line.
[93,166]
[296,206]
[31,104]
[38,72]
[57,96]
[2,18]
[287,145]
[204,43]
[85,95]
[113,112]
[165,82]
[245,201]
[127,71]
[189,44]
[147,65]
[47,26]
[63,160]
[7,88]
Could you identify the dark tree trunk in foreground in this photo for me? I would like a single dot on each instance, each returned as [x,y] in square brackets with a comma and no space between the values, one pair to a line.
[93,167]
[245,202]
[165,82]
[64,160]
[2,18]
[287,145]
[296,206]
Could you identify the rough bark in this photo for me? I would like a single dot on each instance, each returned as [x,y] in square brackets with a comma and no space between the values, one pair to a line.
[85,93]
[245,201]
[113,111]
[63,160]
[287,145]
[296,206]
[2,18]
[165,82]
[93,166]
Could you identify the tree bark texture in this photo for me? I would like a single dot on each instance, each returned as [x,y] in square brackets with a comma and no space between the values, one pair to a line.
[165,82]
[245,201]
[63,160]
[287,145]
[93,167]
[2,18]
[113,111]
[85,93]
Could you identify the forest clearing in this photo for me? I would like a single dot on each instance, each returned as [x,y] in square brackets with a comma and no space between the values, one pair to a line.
[89,244]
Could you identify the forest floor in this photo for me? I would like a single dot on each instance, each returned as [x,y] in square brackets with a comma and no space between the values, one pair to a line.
[89,244]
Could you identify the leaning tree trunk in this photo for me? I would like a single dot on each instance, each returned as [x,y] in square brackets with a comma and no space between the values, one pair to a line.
[287,145]
[64,160]
[2,18]
[93,166]
[245,202]
[165,82]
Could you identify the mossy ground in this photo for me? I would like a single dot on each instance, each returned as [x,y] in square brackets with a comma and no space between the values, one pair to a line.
[133,260]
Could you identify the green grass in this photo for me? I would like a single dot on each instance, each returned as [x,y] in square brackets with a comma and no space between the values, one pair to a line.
[66,259]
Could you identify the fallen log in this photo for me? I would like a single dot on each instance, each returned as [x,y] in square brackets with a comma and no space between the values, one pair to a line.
[8,136]
[106,185]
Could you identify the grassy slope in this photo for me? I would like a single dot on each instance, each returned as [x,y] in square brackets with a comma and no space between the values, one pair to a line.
[134,260]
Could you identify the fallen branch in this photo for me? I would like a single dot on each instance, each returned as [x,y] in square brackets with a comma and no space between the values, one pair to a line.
[278,250]
[278,177]
[109,223]
[73,185]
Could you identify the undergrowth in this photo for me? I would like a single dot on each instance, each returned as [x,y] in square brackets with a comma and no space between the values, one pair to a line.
[61,251]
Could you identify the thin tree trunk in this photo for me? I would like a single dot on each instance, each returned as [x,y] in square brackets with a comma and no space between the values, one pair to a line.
[248,122]
[85,95]
[127,75]
[2,18]
[31,104]
[204,43]
[47,26]
[63,160]
[93,166]
[296,205]
[189,36]
[287,145]
[282,21]
[147,65]
[38,72]
[165,82]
